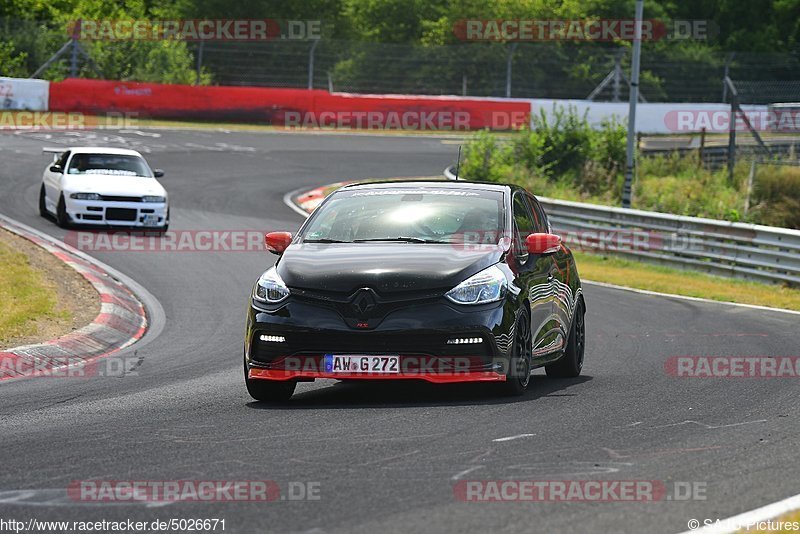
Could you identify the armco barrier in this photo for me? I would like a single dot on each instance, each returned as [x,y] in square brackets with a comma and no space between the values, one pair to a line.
[261,104]
[748,251]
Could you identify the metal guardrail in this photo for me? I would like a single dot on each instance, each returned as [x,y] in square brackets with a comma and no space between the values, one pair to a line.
[748,251]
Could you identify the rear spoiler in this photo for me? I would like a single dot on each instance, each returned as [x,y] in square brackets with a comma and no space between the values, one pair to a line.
[55,151]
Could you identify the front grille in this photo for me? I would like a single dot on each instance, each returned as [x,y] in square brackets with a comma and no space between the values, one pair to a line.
[327,342]
[112,198]
[120,214]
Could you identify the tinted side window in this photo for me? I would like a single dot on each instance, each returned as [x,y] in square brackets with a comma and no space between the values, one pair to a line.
[62,161]
[542,223]
[524,225]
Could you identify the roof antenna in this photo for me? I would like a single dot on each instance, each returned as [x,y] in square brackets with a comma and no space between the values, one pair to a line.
[458,161]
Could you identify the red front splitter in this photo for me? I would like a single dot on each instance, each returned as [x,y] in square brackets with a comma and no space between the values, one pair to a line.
[436,378]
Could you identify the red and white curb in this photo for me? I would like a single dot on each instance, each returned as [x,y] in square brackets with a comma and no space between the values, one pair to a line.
[305,202]
[309,200]
[121,322]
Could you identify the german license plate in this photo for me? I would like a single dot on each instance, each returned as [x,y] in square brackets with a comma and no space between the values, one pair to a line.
[382,365]
[150,220]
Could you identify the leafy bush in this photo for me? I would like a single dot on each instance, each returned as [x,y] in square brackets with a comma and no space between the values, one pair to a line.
[562,152]
[12,64]
[565,139]
[776,196]
[684,188]
[486,158]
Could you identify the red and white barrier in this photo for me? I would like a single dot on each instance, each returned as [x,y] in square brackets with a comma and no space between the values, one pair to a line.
[302,108]
[290,107]
[24,94]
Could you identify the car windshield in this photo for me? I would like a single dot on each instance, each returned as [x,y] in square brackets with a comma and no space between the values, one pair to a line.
[114,164]
[412,214]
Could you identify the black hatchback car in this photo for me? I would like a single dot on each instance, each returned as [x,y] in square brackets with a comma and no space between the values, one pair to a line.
[437,281]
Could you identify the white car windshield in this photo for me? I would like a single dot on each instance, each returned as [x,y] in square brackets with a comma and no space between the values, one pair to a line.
[114,164]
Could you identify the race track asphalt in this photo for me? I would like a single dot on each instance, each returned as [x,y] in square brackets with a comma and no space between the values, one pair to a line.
[386,457]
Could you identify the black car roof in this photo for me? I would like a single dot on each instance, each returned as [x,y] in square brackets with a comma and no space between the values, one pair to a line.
[443,184]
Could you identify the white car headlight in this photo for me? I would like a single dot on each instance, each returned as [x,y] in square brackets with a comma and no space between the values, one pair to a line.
[85,196]
[270,288]
[489,285]
[149,198]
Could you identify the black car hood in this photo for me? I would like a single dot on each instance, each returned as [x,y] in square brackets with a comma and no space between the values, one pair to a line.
[387,268]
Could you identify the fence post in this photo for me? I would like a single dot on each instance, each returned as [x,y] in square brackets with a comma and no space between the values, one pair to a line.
[199,62]
[73,62]
[511,50]
[311,64]
[702,149]
[627,188]
[750,179]
[732,138]
[618,74]
[727,76]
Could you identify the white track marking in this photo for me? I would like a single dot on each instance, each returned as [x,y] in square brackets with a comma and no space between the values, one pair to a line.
[510,438]
[696,299]
[466,472]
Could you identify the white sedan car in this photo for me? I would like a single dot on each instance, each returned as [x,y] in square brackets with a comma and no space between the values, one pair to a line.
[103,186]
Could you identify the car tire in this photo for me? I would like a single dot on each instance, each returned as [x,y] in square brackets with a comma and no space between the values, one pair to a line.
[571,364]
[62,219]
[42,204]
[269,390]
[518,374]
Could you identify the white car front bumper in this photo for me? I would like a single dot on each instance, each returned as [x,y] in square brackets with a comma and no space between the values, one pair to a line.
[118,213]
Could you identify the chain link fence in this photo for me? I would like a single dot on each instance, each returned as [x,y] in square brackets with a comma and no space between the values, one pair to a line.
[671,71]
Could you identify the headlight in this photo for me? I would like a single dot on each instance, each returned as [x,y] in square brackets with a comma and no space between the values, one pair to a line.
[270,288]
[154,199]
[489,285]
[85,196]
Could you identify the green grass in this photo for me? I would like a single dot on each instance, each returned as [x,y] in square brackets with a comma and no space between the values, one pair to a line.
[622,272]
[25,296]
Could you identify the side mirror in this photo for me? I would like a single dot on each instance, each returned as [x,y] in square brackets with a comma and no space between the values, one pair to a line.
[56,169]
[277,241]
[158,173]
[542,243]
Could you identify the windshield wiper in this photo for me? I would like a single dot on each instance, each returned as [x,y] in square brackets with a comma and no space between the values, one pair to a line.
[324,240]
[402,239]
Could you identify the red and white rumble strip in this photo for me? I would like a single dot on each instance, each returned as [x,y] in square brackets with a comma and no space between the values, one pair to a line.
[309,200]
[121,322]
